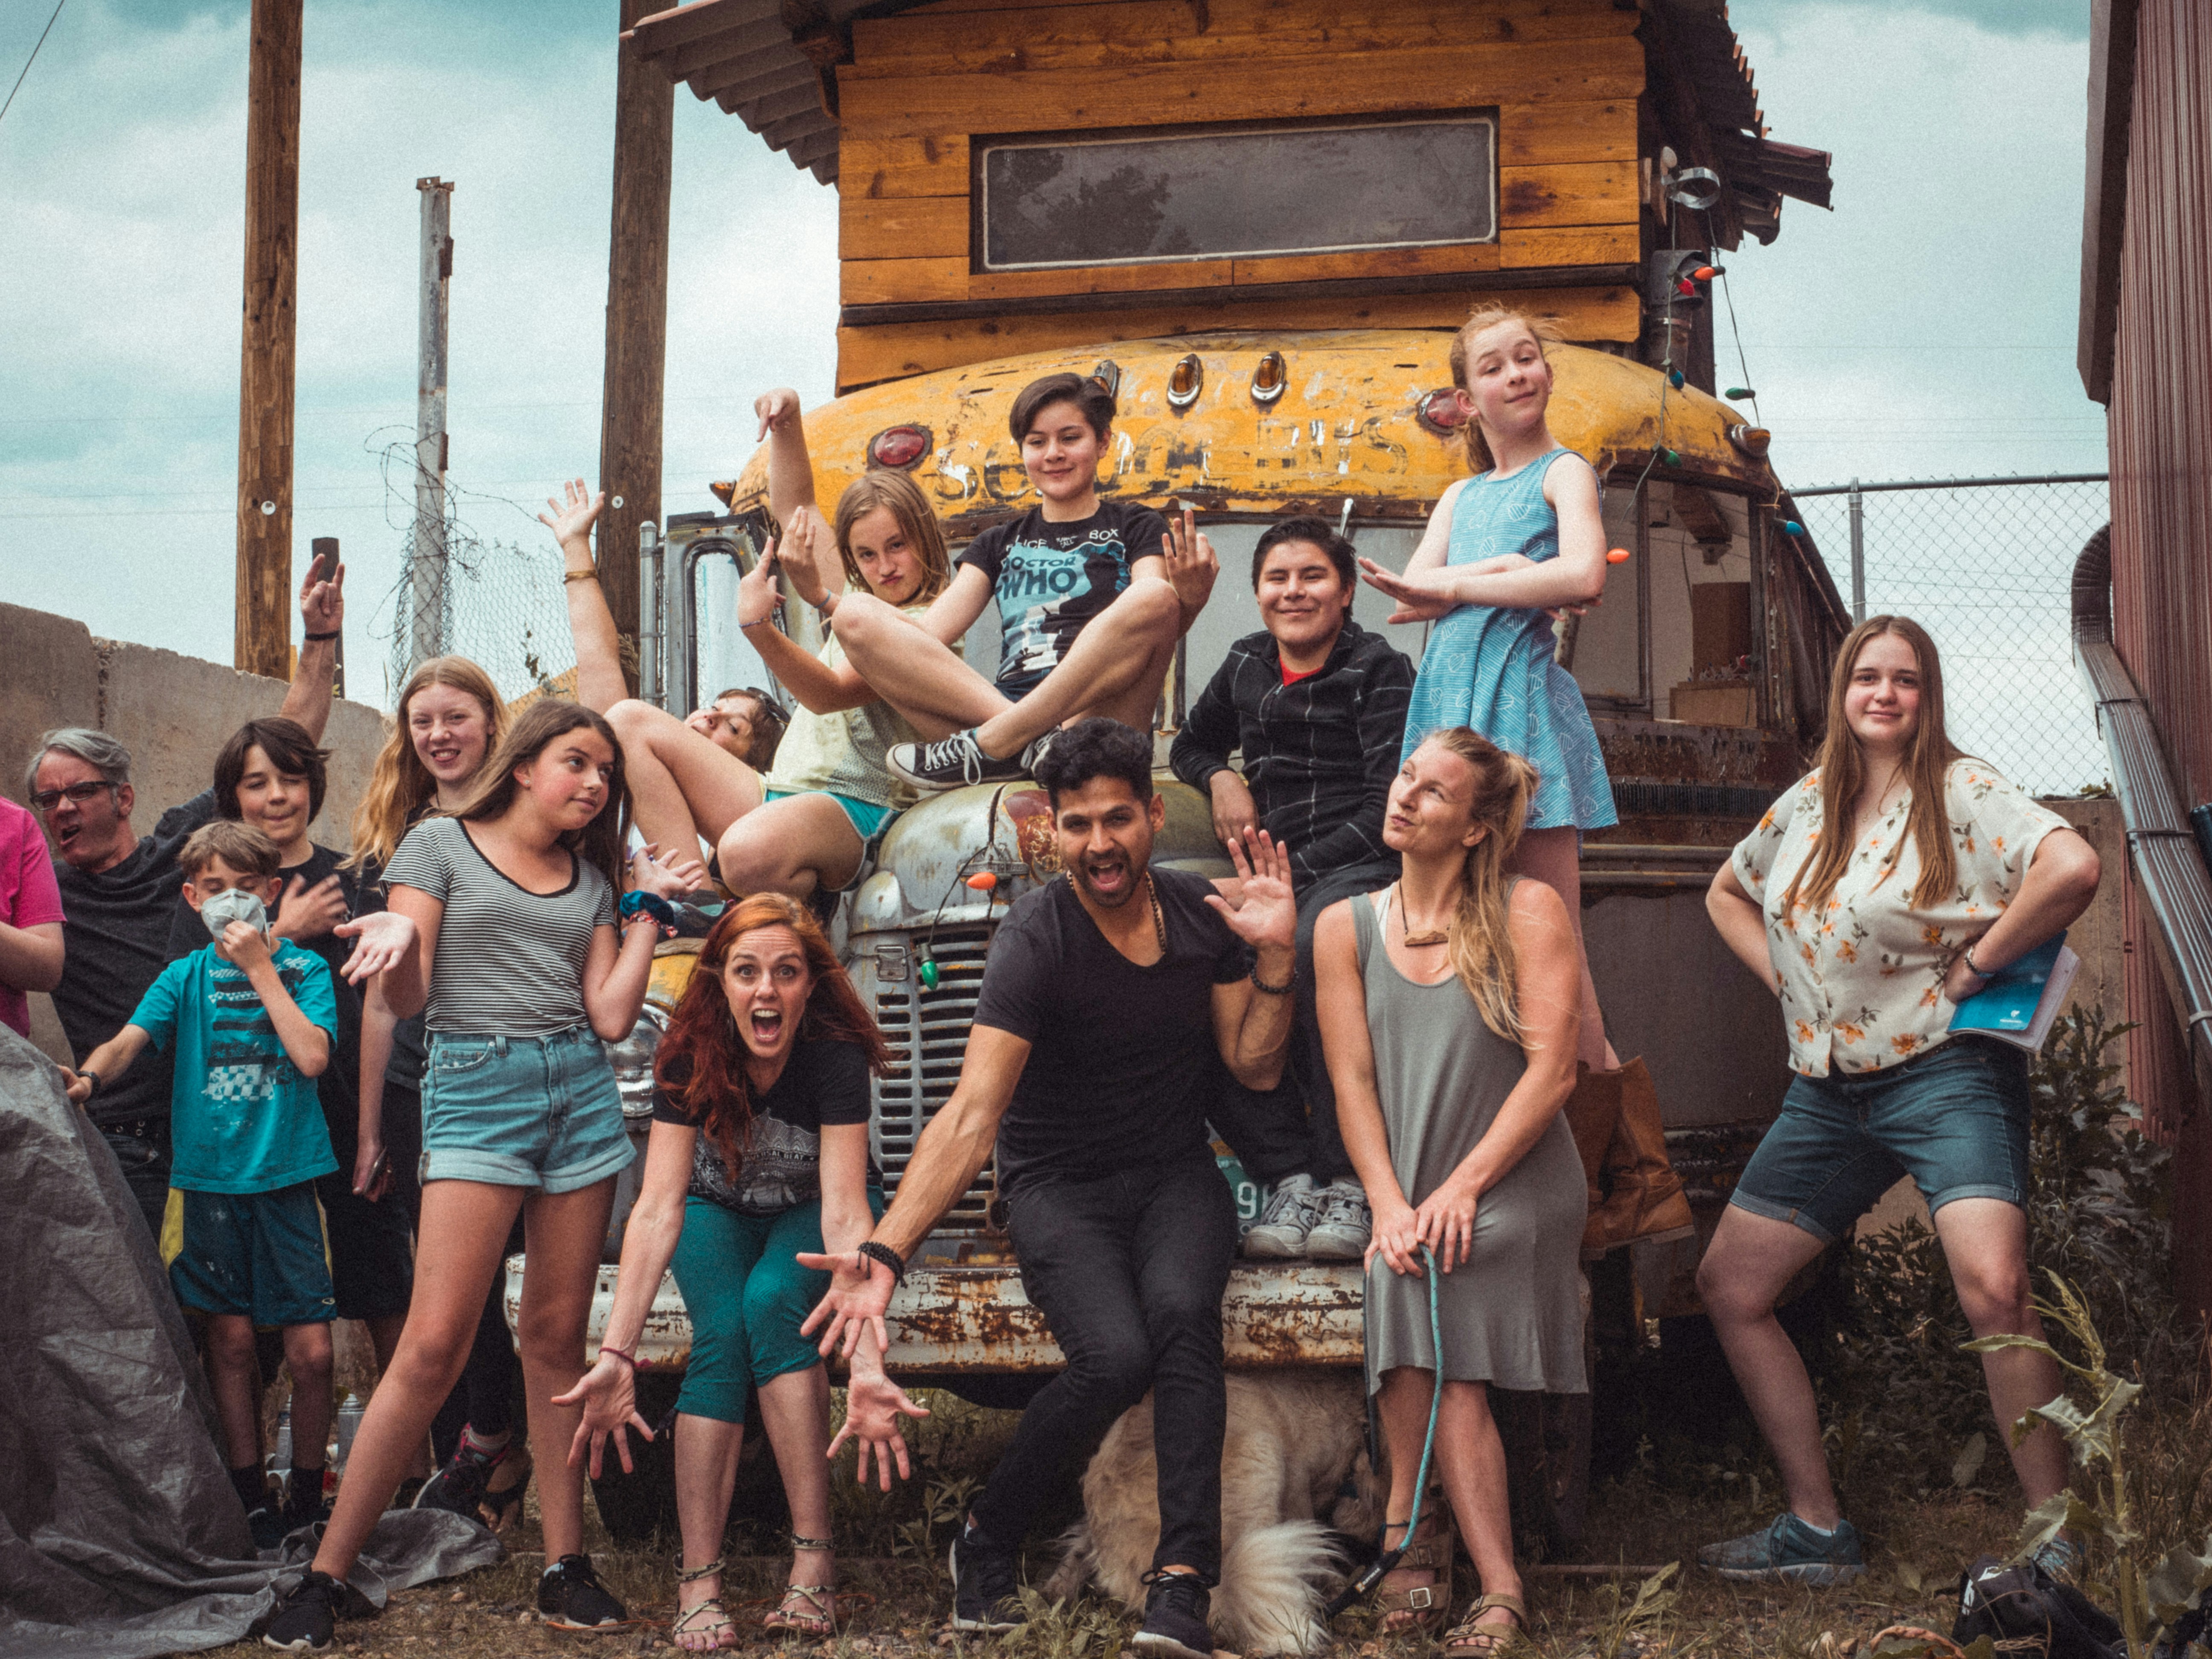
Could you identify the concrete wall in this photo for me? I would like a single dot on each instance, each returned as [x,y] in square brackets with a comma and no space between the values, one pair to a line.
[171,712]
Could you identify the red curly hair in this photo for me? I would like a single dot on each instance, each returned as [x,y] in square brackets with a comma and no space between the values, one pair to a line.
[700,1064]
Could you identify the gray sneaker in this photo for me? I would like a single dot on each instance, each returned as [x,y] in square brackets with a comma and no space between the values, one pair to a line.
[1280,1231]
[1342,1225]
[1789,1551]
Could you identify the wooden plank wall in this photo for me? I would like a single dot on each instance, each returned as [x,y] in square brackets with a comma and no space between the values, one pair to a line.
[1564,76]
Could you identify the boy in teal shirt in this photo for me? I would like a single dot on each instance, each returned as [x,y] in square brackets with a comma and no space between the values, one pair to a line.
[251,1021]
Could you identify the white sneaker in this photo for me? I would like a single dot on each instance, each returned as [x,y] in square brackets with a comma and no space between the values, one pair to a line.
[1281,1229]
[1342,1224]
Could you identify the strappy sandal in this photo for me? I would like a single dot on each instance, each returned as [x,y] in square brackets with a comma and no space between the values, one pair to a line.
[1468,1640]
[1425,1604]
[710,1614]
[817,1614]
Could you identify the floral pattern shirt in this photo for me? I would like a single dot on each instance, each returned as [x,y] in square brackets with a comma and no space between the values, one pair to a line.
[1861,978]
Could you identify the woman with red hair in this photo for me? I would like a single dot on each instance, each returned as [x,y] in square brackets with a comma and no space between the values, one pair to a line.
[759,1151]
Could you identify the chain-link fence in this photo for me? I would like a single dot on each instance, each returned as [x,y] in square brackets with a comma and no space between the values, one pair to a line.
[1986,566]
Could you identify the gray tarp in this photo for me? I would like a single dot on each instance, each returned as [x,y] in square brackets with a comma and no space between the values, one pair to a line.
[120,1532]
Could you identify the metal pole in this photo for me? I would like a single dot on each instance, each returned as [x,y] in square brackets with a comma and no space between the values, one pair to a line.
[1859,554]
[648,614]
[426,569]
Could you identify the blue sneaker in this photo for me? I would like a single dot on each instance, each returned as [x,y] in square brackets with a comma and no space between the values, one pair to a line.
[1789,1552]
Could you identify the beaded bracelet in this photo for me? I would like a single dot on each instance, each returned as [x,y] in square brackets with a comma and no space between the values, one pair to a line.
[884,1253]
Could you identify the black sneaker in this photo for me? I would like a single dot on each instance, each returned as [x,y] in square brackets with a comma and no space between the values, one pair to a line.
[1174,1617]
[951,763]
[459,1486]
[268,1526]
[571,1597]
[983,1589]
[304,1614]
[304,1504]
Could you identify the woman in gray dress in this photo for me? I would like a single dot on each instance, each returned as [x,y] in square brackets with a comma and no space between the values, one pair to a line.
[1449,1004]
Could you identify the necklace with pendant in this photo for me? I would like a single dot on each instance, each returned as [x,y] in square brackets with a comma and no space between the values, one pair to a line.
[1159,921]
[1412,940]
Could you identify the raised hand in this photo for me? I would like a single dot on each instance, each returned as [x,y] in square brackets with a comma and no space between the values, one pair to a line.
[857,1298]
[873,1406]
[306,913]
[811,558]
[572,521]
[670,876]
[777,408]
[757,591]
[608,1395]
[1268,912]
[1192,567]
[382,939]
[322,604]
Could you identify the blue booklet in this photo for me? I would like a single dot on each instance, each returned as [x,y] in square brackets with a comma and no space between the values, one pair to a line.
[2022,998]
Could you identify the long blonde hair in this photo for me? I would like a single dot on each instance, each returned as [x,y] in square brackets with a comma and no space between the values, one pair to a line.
[903,497]
[1480,943]
[1843,772]
[1543,330]
[401,785]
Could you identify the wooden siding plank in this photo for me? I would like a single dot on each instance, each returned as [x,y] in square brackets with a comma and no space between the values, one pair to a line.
[1378,262]
[1147,95]
[1571,245]
[901,227]
[1166,31]
[891,351]
[1101,279]
[935,164]
[1577,193]
[897,282]
[1542,135]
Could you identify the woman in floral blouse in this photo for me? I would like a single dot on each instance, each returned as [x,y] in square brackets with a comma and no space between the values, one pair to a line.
[1882,891]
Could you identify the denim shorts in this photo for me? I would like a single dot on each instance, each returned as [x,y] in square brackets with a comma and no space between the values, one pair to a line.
[522,1111]
[1954,1119]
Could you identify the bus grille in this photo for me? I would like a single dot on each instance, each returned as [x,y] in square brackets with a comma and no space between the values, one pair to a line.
[928,1031]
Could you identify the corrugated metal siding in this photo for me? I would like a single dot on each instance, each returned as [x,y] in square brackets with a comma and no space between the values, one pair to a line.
[2160,436]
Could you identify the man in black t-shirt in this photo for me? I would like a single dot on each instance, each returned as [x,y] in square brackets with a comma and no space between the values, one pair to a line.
[119,892]
[1092,596]
[1109,1001]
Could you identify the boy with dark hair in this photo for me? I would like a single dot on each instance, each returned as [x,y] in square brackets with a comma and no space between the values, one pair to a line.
[251,1021]
[1316,704]
[1092,596]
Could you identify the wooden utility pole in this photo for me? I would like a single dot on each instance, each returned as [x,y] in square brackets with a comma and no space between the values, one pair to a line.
[425,634]
[637,318]
[263,639]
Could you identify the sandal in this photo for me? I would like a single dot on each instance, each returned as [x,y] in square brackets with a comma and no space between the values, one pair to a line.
[1468,1640]
[713,1618]
[1425,1605]
[501,1505]
[817,1612]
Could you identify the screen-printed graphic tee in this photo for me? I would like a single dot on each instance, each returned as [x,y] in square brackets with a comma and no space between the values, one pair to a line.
[1052,578]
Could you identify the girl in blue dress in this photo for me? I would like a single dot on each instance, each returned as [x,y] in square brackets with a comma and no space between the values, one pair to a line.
[1504,551]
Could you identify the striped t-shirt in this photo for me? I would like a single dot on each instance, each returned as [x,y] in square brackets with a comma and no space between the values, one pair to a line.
[509,963]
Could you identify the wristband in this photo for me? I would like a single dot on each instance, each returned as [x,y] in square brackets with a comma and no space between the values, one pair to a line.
[628,1359]
[872,1251]
[1968,957]
[1282,990]
[86,1072]
[763,622]
[332,635]
[580,576]
[638,903]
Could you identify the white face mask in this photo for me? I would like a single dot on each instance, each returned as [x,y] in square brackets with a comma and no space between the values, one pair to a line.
[234,904]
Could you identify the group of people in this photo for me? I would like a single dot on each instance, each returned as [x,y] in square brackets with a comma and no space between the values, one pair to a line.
[1387,1010]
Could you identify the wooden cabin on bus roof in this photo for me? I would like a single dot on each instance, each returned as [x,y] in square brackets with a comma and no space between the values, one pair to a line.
[1020,175]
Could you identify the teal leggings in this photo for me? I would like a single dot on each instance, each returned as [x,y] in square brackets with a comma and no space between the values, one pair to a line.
[747,1298]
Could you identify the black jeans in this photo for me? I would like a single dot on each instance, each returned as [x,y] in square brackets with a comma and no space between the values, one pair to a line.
[146,1172]
[1291,1129]
[1129,1271]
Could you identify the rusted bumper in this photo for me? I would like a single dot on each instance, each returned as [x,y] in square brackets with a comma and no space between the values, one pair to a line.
[951,1320]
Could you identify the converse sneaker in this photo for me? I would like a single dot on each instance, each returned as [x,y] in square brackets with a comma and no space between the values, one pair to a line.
[1175,1606]
[984,1598]
[951,763]
[304,1614]
[1281,1230]
[1342,1226]
[1789,1552]
[571,1597]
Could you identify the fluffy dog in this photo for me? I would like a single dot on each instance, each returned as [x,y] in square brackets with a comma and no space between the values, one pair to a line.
[1294,1467]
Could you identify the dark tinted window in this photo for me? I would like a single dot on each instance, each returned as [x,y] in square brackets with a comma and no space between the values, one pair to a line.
[1196,196]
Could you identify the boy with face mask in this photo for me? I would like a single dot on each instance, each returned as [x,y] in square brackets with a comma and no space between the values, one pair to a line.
[250,1020]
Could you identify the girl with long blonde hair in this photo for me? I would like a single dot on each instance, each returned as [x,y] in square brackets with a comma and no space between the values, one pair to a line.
[1450,1003]
[1882,891]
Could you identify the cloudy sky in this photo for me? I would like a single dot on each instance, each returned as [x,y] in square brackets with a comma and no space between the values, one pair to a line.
[1924,328]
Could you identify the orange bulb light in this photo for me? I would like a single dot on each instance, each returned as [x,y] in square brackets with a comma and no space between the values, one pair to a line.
[983,881]
[1617,555]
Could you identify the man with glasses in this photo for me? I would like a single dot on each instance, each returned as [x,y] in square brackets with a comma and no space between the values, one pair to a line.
[118,893]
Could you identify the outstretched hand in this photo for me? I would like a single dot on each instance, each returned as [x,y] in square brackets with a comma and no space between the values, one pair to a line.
[856,1301]
[668,876]
[1267,912]
[608,1395]
[873,1406]
[381,940]
[572,521]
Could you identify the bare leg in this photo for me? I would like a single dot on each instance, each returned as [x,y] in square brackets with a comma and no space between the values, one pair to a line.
[790,846]
[1554,858]
[681,784]
[796,1409]
[705,1472]
[563,1233]
[1985,1240]
[1472,1459]
[464,1229]
[1751,1259]
[1115,668]
[232,1370]
[308,1357]
[912,669]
